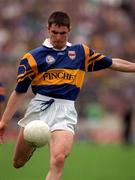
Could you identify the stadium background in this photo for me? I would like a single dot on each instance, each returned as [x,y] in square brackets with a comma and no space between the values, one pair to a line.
[107,26]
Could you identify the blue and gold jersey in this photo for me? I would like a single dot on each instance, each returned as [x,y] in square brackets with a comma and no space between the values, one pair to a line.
[2,93]
[58,73]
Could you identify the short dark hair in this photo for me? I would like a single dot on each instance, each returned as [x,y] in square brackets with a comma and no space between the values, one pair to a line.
[59,18]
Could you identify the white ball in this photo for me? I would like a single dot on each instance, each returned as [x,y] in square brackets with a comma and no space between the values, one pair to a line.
[37,133]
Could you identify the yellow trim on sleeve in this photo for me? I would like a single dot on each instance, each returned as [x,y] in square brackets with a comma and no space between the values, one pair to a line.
[32,62]
[98,59]
[19,79]
[87,56]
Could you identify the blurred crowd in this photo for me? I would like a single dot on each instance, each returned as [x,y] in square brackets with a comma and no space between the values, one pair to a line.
[106,25]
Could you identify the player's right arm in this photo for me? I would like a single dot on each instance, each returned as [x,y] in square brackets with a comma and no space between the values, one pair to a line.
[26,72]
[14,102]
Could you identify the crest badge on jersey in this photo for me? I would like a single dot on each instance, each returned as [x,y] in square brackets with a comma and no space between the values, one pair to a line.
[72,55]
[50,59]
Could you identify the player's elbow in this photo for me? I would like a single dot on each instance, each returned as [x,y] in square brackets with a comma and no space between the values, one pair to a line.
[18,164]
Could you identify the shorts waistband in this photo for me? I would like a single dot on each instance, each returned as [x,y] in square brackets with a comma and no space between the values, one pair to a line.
[57,100]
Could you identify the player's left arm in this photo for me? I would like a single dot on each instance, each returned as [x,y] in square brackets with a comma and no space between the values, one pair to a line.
[122,65]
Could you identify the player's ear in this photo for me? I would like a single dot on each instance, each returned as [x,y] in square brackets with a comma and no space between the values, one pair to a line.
[70,28]
[48,28]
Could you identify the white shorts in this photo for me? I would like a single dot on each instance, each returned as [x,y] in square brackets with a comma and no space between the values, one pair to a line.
[59,114]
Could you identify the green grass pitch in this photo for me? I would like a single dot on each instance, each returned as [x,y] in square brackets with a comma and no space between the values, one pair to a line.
[86,162]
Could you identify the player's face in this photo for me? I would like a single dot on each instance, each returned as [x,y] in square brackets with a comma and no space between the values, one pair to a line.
[58,35]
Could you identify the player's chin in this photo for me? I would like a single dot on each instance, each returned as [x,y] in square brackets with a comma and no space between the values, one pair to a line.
[59,45]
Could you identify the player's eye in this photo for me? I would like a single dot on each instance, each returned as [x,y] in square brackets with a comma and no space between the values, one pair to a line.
[61,33]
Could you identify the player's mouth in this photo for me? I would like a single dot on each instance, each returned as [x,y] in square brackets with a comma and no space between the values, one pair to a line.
[58,45]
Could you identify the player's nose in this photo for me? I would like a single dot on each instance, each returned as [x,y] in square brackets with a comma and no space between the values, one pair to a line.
[58,37]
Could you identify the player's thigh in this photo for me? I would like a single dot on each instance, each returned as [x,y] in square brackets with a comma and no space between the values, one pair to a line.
[61,142]
[22,150]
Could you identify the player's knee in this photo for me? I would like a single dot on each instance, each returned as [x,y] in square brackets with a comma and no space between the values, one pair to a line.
[18,163]
[58,160]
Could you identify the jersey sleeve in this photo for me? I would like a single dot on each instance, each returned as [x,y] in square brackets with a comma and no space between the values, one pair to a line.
[26,72]
[95,61]
[2,93]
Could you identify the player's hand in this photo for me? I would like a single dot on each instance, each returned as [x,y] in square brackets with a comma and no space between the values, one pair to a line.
[3,127]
